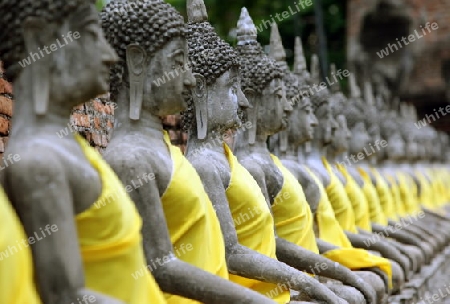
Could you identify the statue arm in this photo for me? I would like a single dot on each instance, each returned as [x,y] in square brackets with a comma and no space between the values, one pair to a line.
[325,246]
[243,261]
[376,243]
[176,277]
[43,202]
[305,260]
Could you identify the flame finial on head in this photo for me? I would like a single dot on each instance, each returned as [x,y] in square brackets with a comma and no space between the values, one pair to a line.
[315,70]
[276,44]
[355,92]
[299,57]
[246,30]
[196,11]
[335,86]
[368,93]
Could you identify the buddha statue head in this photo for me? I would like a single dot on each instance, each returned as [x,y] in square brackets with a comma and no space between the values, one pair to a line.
[390,132]
[302,119]
[341,136]
[321,104]
[262,83]
[409,134]
[54,50]
[217,99]
[152,72]
[355,116]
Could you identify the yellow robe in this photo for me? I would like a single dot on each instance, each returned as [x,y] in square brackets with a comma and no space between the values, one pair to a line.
[109,234]
[192,221]
[330,231]
[406,188]
[254,224]
[385,196]
[293,217]
[376,212]
[358,200]
[16,266]
[399,207]
[342,206]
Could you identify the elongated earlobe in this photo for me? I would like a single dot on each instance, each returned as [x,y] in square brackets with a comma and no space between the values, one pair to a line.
[252,114]
[136,62]
[283,136]
[38,33]
[200,94]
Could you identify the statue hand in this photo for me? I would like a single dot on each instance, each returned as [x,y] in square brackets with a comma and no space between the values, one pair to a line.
[95,297]
[367,290]
[317,291]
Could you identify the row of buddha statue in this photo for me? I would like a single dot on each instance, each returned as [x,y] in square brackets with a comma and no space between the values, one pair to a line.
[276,214]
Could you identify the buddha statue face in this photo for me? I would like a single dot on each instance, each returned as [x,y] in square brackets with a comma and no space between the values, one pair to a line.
[395,151]
[150,40]
[359,138]
[327,125]
[275,109]
[217,101]
[341,136]
[70,57]
[302,122]
[167,98]
[226,97]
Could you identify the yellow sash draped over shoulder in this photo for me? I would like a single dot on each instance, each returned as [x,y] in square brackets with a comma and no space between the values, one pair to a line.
[376,212]
[109,233]
[293,217]
[424,196]
[385,196]
[339,200]
[358,200]
[406,192]
[16,265]
[330,231]
[191,220]
[254,224]
[399,207]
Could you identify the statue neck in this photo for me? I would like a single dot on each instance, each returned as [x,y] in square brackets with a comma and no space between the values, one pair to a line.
[213,141]
[148,123]
[242,145]
[25,120]
[317,151]
[291,152]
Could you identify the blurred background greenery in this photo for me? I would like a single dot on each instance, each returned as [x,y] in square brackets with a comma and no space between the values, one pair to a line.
[224,14]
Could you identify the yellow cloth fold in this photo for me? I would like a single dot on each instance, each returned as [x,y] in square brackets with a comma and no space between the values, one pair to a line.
[192,220]
[358,200]
[399,207]
[376,212]
[110,241]
[330,231]
[357,259]
[339,201]
[406,188]
[254,224]
[291,212]
[385,196]
[16,265]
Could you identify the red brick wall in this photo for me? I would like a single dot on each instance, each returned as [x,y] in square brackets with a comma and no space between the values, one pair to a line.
[94,120]
[434,47]
[172,124]
[6,110]
[426,86]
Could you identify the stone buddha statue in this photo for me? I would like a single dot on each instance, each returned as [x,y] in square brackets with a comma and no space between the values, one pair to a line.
[64,183]
[300,130]
[335,189]
[216,105]
[183,242]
